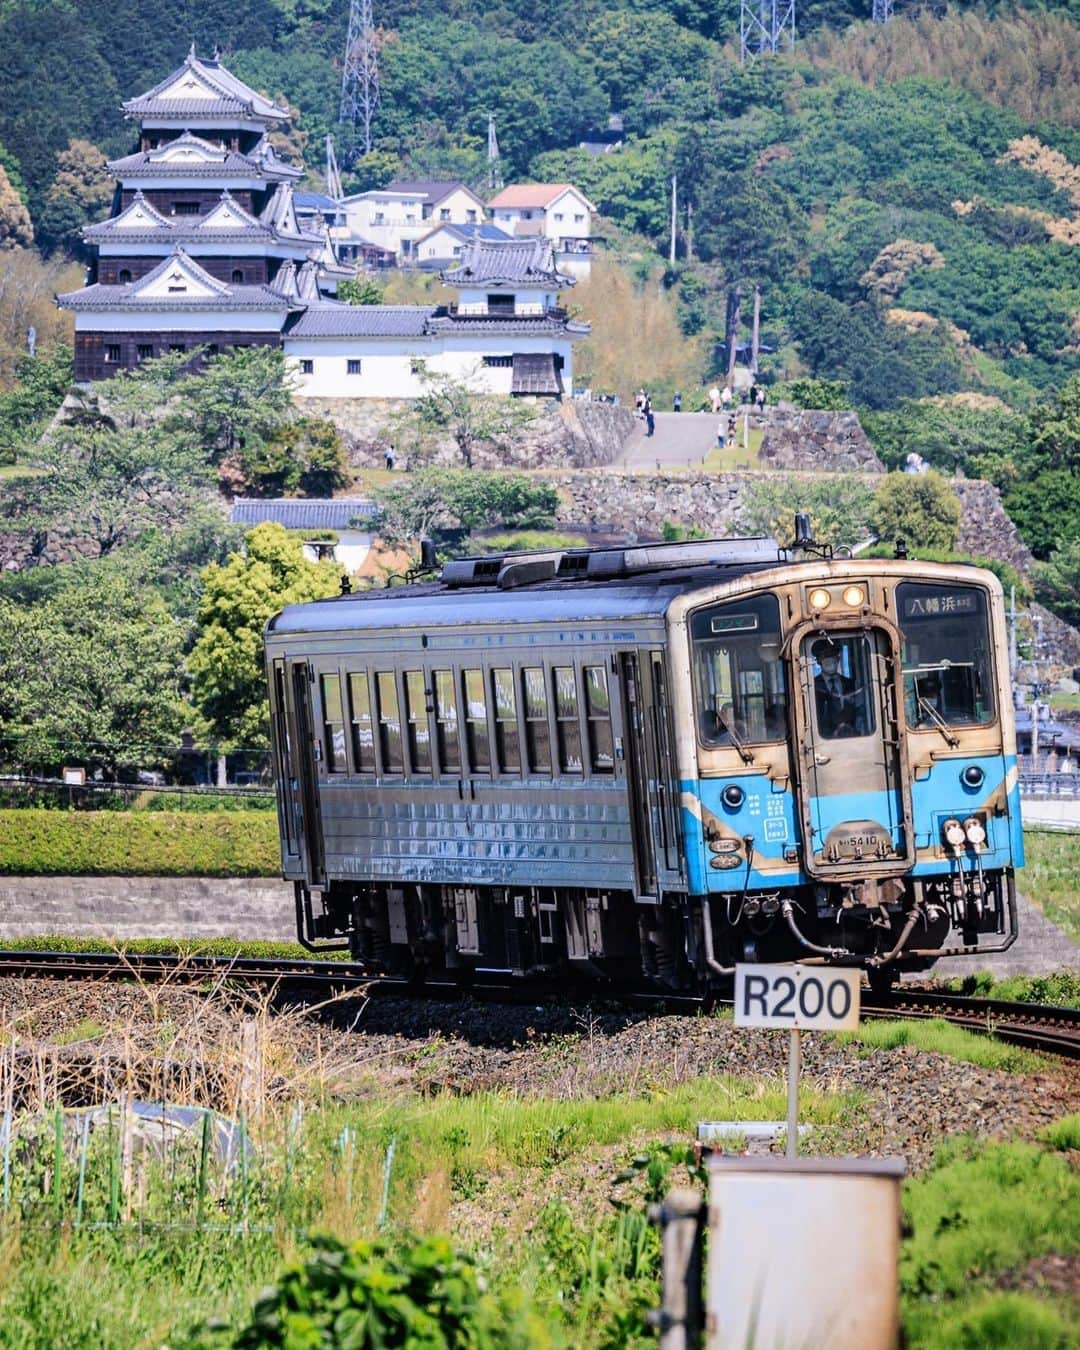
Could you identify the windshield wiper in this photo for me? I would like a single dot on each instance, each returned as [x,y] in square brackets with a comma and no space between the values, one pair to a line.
[927,707]
[736,740]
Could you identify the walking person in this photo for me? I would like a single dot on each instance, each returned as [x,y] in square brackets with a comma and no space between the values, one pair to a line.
[676,403]
[391,458]
[639,403]
[759,401]
[721,434]
[650,420]
[725,398]
[731,429]
[714,398]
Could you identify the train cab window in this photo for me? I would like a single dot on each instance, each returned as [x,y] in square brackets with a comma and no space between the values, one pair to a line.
[740,685]
[417,722]
[363,735]
[948,671]
[389,721]
[598,720]
[507,741]
[447,736]
[333,724]
[567,722]
[844,684]
[476,726]
[537,730]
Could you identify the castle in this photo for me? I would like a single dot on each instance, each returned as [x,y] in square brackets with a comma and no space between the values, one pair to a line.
[204,251]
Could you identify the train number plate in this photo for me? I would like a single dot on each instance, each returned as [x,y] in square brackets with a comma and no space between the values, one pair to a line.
[804,998]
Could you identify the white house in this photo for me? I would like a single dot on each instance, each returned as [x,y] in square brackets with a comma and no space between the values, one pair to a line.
[396,216]
[506,334]
[557,211]
[317,519]
[446,243]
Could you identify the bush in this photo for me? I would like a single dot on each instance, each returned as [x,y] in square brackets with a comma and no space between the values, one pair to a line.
[367,1294]
[817,395]
[115,843]
[919,508]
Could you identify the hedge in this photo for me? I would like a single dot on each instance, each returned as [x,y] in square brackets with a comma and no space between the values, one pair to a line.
[142,844]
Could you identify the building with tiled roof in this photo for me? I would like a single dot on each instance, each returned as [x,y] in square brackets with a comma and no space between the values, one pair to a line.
[395,217]
[206,197]
[443,245]
[555,211]
[336,528]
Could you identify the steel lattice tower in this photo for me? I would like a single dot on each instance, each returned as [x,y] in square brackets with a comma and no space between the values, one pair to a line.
[766,26]
[883,11]
[360,76]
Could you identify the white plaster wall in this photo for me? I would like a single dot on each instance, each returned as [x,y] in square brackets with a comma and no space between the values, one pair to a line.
[186,321]
[386,366]
[350,551]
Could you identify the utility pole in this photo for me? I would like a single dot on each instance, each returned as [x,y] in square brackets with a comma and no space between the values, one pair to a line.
[689,232]
[360,74]
[674,217]
[755,335]
[735,319]
[494,163]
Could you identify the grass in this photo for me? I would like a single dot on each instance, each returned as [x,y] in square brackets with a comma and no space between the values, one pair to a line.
[222,947]
[939,1037]
[1060,701]
[1061,989]
[1051,878]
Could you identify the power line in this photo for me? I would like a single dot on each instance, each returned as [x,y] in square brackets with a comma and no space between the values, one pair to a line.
[766,26]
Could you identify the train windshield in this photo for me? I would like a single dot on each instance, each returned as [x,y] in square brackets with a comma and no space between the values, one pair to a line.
[739,681]
[948,671]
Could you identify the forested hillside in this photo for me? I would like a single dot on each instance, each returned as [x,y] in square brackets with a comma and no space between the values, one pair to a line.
[907,197]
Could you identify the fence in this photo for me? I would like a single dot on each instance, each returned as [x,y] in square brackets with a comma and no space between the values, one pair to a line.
[19,790]
[1043,785]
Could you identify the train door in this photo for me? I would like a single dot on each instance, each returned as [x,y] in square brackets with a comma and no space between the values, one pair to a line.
[647,737]
[288,794]
[855,801]
[305,783]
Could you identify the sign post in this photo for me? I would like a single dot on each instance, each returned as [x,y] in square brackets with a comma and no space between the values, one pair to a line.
[796,998]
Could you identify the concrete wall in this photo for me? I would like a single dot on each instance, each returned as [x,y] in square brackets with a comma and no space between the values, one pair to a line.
[131,907]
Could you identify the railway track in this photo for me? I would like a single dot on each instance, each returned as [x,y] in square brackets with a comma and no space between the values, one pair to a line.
[1053,1030]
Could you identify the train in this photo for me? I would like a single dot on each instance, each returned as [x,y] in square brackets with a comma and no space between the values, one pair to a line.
[643,765]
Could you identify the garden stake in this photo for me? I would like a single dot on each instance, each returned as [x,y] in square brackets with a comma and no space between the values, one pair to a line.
[204,1152]
[115,1164]
[386,1181]
[84,1143]
[58,1161]
[7,1159]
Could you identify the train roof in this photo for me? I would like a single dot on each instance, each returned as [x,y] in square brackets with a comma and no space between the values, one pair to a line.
[572,585]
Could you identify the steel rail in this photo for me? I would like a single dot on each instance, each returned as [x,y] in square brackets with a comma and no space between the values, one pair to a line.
[1053,1029]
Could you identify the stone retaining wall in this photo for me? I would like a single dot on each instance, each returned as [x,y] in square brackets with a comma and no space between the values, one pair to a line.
[573,433]
[802,439]
[150,907]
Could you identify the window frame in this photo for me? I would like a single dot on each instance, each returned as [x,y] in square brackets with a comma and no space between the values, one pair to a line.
[527,759]
[307,365]
[362,677]
[386,770]
[446,769]
[487,771]
[411,724]
[573,666]
[333,763]
[499,767]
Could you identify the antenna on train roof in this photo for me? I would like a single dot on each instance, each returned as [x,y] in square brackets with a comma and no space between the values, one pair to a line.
[804,541]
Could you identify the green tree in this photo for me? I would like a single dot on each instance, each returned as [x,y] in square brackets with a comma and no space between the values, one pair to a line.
[43,380]
[360,291]
[464,411]
[820,395]
[949,436]
[1046,509]
[919,508]
[90,675]
[80,194]
[225,666]
[16,228]
[237,401]
[422,505]
[1057,581]
[1055,429]
[305,456]
[840,506]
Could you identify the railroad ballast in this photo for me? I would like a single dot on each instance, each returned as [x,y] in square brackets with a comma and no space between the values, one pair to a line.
[645,764]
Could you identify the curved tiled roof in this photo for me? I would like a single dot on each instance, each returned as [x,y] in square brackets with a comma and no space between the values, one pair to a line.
[331,320]
[208,294]
[212,161]
[510,262]
[233,96]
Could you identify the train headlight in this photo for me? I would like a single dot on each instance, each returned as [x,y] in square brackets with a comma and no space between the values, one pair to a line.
[975,831]
[820,598]
[954,833]
[733,796]
[854,596]
[973,776]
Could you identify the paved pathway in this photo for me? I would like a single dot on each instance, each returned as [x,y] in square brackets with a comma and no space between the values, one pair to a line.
[681,440]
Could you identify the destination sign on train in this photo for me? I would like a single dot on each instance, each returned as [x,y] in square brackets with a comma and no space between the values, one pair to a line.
[940,606]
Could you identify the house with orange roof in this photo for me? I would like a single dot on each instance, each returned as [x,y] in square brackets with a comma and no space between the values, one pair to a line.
[555,211]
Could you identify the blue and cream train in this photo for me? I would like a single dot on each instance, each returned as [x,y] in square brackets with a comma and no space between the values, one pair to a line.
[650,763]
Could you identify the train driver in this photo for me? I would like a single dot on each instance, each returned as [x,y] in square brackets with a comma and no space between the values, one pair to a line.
[834,692]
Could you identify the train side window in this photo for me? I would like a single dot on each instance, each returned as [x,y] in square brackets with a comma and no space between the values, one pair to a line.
[333,723]
[476,726]
[417,721]
[363,735]
[537,730]
[598,720]
[446,722]
[507,741]
[389,721]
[567,721]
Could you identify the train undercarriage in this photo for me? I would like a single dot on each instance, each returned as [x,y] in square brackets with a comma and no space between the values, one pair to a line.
[685,944]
